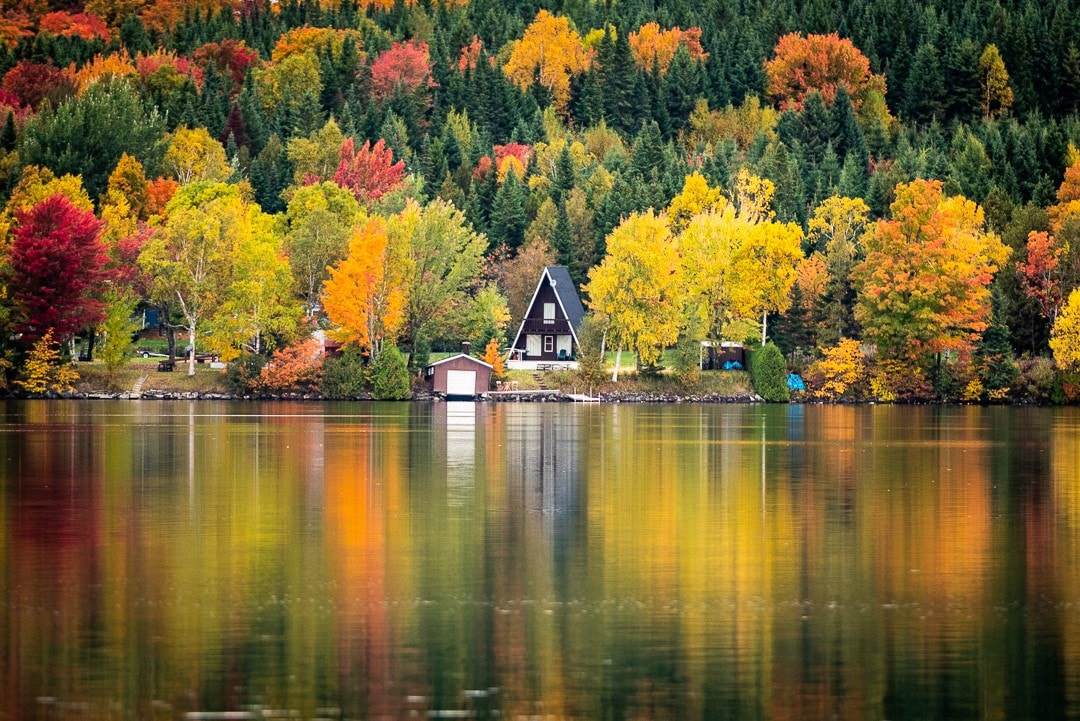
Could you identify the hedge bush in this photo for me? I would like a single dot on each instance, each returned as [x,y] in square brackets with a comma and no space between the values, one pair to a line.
[768,371]
[391,376]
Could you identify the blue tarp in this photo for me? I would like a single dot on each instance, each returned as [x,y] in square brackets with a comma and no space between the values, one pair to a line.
[732,366]
[795,382]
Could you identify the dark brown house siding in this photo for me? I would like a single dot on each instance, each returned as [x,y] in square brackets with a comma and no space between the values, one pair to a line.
[534,325]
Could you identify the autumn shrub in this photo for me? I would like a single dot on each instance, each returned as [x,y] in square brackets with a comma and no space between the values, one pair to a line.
[768,371]
[842,372]
[243,374]
[44,371]
[391,376]
[590,356]
[898,380]
[295,368]
[686,359]
[345,376]
[1038,381]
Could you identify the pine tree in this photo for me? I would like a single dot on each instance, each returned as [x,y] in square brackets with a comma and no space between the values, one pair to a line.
[647,155]
[924,90]
[507,221]
[561,239]
[564,175]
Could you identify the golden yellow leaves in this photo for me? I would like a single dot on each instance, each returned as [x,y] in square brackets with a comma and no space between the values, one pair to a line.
[550,52]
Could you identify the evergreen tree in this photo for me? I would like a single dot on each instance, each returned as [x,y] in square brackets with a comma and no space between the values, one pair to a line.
[924,91]
[507,221]
[564,175]
[647,155]
[271,174]
[561,239]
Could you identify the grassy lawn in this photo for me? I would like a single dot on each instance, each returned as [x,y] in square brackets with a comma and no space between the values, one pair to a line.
[94,377]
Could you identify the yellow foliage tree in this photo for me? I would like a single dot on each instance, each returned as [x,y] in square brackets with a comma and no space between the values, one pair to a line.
[696,198]
[194,155]
[550,51]
[365,296]
[1065,336]
[638,287]
[997,96]
[43,372]
[739,264]
[842,369]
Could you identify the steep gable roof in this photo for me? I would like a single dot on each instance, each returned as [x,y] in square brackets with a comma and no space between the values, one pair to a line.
[567,295]
[559,278]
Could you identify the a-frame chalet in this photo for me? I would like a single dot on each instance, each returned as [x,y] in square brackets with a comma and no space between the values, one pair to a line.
[547,337]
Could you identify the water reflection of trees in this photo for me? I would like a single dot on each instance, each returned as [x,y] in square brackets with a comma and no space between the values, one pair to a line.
[644,562]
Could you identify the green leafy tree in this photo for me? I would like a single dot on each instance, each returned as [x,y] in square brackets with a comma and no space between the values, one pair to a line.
[391,376]
[117,331]
[446,262]
[87,135]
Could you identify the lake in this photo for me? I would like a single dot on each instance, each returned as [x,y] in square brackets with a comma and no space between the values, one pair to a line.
[165,560]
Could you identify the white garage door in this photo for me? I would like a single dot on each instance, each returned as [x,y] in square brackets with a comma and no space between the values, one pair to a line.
[460,383]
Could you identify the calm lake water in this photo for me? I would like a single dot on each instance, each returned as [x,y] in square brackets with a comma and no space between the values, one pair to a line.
[336,561]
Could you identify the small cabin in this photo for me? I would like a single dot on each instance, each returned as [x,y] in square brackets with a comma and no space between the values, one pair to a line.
[547,338]
[459,376]
[726,355]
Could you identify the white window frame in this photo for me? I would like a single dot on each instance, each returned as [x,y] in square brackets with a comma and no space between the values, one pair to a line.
[549,312]
[549,344]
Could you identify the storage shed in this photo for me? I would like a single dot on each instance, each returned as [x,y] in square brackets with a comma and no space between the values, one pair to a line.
[459,376]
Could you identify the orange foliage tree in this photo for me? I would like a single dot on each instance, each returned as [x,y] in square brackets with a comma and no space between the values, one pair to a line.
[159,192]
[364,296]
[1040,275]
[649,43]
[83,25]
[924,285]
[819,62]
[102,66]
[550,51]
[296,367]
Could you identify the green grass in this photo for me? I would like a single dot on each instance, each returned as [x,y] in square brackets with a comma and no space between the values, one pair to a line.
[94,378]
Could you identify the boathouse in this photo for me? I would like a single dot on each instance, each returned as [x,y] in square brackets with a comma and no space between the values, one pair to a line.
[547,338]
[459,376]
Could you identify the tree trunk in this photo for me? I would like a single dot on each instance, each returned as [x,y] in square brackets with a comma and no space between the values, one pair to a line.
[91,336]
[764,326]
[191,350]
[618,362]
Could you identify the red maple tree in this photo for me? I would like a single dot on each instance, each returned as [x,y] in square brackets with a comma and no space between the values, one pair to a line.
[57,266]
[404,66]
[369,173]
[31,83]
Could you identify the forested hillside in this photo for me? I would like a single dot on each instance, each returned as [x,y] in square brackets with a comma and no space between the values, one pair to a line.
[891,187]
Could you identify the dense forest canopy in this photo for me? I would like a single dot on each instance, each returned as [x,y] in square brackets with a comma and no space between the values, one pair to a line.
[398,172]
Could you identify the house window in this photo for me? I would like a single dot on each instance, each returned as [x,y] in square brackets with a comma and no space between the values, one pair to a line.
[549,344]
[549,312]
